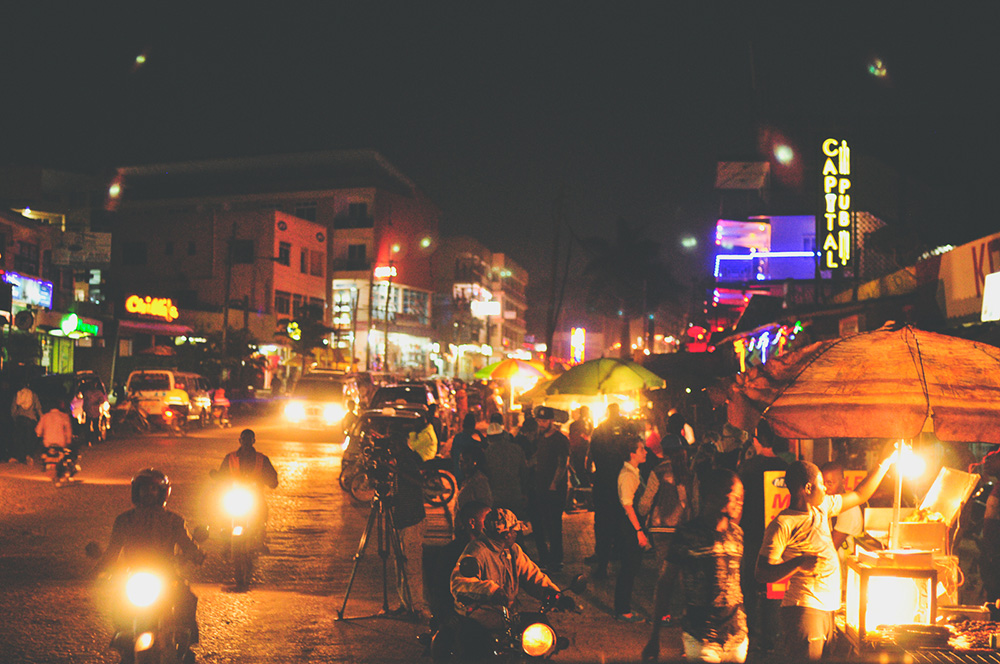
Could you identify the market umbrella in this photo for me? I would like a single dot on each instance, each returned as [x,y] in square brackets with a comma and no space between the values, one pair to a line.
[509,368]
[605,376]
[894,382]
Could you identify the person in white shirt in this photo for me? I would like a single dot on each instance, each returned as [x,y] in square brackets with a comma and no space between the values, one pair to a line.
[850,522]
[632,539]
[798,546]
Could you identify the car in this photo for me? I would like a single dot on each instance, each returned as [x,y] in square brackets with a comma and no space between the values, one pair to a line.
[319,402]
[412,393]
[199,394]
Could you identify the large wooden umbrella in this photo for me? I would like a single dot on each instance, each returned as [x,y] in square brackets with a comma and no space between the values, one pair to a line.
[894,382]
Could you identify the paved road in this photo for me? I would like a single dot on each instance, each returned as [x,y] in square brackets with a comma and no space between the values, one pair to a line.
[52,613]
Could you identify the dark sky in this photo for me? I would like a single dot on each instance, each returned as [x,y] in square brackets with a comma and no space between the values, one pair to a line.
[493,109]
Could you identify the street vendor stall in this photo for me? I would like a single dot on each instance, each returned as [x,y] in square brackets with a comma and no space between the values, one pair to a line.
[895,383]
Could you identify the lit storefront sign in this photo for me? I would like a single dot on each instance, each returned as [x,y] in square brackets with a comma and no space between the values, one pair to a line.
[35,292]
[74,327]
[484,309]
[577,342]
[835,229]
[158,307]
[756,349]
[385,271]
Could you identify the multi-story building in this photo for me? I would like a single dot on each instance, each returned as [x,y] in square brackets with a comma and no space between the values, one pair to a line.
[345,214]
[480,305]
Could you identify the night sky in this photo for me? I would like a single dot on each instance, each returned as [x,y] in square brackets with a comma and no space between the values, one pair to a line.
[493,109]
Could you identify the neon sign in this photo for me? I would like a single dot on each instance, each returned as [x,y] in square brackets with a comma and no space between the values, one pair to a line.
[835,232]
[577,342]
[74,326]
[385,271]
[159,307]
[769,342]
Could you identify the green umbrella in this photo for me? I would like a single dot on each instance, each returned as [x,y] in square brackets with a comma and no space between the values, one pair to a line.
[605,376]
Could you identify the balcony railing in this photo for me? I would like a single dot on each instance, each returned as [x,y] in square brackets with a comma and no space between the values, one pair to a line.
[351,264]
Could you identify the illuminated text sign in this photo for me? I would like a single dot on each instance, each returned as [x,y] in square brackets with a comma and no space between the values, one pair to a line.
[577,341]
[35,292]
[158,307]
[483,309]
[835,230]
[385,271]
[74,326]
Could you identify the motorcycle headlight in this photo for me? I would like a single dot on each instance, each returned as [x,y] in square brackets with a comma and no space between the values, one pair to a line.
[143,588]
[295,411]
[105,407]
[333,413]
[538,640]
[144,641]
[238,501]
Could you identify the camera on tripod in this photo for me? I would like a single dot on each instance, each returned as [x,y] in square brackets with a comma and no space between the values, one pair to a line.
[383,433]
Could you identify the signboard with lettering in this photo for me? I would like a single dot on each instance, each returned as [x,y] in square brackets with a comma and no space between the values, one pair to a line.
[28,290]
[155,307]
[835,227]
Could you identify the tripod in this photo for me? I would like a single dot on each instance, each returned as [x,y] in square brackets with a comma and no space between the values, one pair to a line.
[380,517]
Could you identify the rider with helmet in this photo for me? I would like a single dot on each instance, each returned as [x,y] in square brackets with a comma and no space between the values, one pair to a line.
[488,576]
[149,531]
[248,465]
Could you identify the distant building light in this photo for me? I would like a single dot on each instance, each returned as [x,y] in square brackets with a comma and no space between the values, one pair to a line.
[385,271]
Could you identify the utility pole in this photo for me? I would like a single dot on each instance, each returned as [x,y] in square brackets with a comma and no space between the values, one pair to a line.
[553,318]
[388,299]
[228,289]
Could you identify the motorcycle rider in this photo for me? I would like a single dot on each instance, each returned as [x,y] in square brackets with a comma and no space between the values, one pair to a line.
[248,465]
[488,576]
[150,531]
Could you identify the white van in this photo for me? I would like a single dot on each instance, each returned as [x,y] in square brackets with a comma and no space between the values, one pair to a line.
[158,389]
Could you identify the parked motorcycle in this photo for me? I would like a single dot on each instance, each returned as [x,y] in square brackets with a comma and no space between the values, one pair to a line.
[147,596]
[524,635]
[61,464]
[439,485]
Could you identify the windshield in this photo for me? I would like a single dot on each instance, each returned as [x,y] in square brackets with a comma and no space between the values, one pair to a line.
[149,382]
[319,390]
[408,393]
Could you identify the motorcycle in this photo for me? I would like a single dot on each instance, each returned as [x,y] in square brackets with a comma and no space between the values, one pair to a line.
[220,409]
[175,419]
[524,634]
[60,463]
[147,598]
[241,503]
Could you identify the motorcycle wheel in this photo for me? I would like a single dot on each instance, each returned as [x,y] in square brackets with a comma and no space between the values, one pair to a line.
[242,564]
[362,488]
[439,487]
[205,418]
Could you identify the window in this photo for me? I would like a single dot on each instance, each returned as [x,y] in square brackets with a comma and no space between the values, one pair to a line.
[285,253]
[168,248]
[304,261]
[282,303]
[316,263]
[306,211]
[192,248]
[356,253]
[133,253]
[357,210]
[26,258]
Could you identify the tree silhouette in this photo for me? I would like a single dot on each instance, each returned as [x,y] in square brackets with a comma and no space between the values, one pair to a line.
[627,277]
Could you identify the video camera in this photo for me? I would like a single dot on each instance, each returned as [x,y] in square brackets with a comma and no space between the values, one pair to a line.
[382,433]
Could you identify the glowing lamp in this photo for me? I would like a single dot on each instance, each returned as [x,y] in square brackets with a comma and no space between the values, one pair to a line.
[143,588]
[888,595]
[538,640]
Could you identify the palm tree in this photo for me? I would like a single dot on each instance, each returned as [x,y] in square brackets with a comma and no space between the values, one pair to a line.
[627,277]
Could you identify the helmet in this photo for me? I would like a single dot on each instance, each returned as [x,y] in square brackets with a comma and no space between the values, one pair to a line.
[150,488]
[499,522]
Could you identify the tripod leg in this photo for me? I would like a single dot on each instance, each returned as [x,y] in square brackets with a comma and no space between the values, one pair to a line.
[383,553]
[402,582]
[357,557]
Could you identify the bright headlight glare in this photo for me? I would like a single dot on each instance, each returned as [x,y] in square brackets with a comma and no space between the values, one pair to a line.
[238,501]
[143,588]
[295,411]
[333,413]
[538,640]
[144,642]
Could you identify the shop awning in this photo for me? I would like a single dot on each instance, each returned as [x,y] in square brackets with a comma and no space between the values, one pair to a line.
[153,327]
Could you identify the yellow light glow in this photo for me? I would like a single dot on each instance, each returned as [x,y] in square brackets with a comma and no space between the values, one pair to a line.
[911,464]
[891,601]
[295,412]
[144,642]
[238,501]
[538,640]
[143,588]
[115,190]
[333,413]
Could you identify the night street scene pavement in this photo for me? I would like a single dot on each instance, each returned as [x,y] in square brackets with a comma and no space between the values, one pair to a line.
[54,613]
[664,277]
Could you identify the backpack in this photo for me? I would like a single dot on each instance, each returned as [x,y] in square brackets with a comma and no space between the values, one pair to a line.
[25,399]
[663,503]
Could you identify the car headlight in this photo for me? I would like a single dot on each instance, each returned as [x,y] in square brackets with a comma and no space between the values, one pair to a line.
[538,640]
[143,588]
[295,411]
[333,413]
[238,501]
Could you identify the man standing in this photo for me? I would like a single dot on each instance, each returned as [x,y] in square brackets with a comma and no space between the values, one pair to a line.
[552,462]
[507,468]
[580,431]
[607,457]
[26,411]
[762,613]
[632,537]
[798,546]
[705,557]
